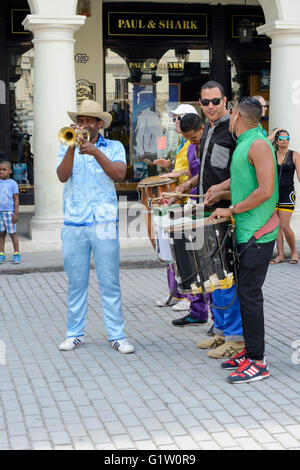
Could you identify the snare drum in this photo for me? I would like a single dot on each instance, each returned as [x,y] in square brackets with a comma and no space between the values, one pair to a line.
[151,188]
[204,255]
[165,218]
[161,223]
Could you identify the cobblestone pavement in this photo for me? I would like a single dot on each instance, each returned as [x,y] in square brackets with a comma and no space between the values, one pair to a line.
[168,395]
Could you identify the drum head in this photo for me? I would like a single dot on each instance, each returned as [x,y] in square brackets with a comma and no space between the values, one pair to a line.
[199,223]
[156,181]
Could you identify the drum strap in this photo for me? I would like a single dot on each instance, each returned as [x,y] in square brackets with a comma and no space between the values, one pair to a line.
[269,226]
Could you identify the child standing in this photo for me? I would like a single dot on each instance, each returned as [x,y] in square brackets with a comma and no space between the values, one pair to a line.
[9,211]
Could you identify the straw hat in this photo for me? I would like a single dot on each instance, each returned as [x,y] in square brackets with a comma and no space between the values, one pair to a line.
[92,109]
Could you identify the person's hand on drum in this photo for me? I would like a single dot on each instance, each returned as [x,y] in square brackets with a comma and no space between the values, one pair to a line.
[163,163]
[172,174]
[220,212]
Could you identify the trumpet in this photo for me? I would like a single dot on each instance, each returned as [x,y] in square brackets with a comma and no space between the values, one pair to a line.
[69,136]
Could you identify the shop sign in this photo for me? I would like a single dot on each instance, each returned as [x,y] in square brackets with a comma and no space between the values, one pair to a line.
[152,66]
[157,24]
[85,91]
[256,20]
[17,15]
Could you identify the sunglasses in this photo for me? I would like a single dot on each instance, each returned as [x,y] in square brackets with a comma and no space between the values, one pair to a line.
[177,118]
[214,101]
[282,137]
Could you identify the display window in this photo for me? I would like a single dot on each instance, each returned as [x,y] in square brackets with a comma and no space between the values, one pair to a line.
[140,95]
[21,116]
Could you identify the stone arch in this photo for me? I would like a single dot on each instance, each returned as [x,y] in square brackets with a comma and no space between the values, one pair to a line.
[272,10]
[55,8]
[281,10]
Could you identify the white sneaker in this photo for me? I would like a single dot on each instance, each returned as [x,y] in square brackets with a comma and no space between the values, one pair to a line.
[71,343]
[123,346]
[163,302]
[182,305]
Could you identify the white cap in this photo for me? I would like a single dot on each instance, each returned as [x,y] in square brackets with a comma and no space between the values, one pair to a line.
[184,109]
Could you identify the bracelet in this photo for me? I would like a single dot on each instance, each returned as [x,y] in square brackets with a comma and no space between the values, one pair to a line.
[232,208]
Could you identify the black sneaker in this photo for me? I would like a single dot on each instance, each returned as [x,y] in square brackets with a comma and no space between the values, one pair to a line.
[188,320]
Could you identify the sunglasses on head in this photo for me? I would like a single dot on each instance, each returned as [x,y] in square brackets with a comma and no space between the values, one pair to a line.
[177,118]
[284,137]
[214,101]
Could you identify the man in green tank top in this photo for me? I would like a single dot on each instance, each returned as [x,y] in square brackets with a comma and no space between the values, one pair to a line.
[253,190]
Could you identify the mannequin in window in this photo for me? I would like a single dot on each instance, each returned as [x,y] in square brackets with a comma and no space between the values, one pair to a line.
[148,128]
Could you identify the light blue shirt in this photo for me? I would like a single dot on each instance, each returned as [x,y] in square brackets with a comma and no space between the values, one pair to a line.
[7,190]
[89,194]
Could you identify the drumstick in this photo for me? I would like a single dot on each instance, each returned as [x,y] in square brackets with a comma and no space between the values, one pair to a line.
[163,195]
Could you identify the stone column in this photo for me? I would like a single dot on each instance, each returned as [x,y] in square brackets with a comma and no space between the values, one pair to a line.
[285,87]
[54,95]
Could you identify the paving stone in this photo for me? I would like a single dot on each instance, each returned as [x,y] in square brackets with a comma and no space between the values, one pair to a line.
[224,439]
[167,396]
[41,445]
[286,440]
[20,443]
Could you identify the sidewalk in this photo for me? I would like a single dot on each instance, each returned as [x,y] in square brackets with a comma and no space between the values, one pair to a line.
[136,252]
[50,261]
[167,396]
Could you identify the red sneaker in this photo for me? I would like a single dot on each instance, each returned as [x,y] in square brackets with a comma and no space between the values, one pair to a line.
[249,371]
[235,361]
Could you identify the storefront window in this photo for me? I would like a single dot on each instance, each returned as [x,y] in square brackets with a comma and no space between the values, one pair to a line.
[250,78]
[21,118]
[140,95]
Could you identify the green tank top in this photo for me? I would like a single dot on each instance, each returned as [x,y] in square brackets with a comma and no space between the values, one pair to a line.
[243,182]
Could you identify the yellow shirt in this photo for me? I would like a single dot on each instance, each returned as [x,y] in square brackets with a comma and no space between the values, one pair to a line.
[181,162]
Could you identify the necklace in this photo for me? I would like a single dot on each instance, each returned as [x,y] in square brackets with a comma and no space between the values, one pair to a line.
[282,156]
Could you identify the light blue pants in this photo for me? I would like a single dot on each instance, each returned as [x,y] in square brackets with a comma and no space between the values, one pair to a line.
[78,243]
[228,322]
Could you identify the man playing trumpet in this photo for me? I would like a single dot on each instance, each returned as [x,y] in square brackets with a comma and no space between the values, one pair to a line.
[89,169]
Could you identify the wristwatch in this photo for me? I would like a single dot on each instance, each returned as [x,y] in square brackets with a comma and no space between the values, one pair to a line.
[231,208]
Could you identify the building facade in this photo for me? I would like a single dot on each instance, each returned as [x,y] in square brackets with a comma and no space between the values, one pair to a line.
[139,60]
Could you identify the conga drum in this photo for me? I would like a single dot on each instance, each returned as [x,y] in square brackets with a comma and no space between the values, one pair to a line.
[204,255]
[150,189]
